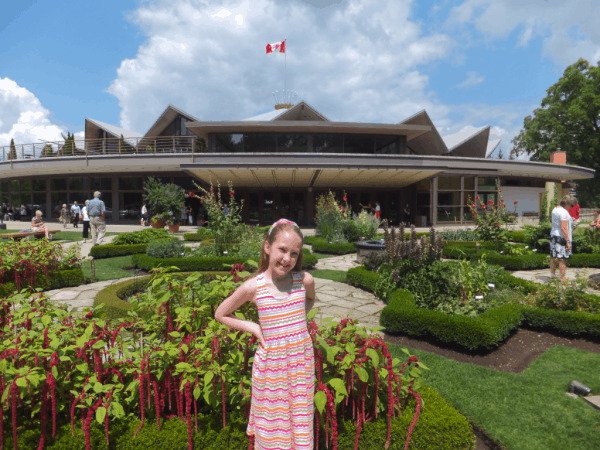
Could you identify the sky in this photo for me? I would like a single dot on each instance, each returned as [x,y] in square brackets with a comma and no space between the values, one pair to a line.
[468,63]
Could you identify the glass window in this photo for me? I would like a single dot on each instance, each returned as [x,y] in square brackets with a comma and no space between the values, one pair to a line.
[469,194]
[186,183]
[3,197]
[449,198]
[424,185]
[25,185]
[423,199]
[131,184]
[354,143]
[486,184]
[448,214]
[58,184]
[469,183]
[56,202]
[365,199]
[294,143]
[4,186]
[328,143]
[39,202]
[254,207]
[260,143]
[78,197]
[130,204]
[386,144]
[100,184]
[229,143]
[15,186]
[39,184]
[15,199]
[79,184]
[268,208]
[449,184]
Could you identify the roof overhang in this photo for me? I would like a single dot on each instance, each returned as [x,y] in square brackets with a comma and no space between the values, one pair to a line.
[475,146]
[202,129]
[166,118]
[430,143]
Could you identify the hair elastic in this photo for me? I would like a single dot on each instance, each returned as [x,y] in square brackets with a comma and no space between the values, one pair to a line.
[280,221]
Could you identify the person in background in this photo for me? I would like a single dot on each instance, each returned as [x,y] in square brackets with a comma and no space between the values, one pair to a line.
[85,218]
[144,215]
[96,211]
[561,236]
[16,214]
[226,210]
[377,210]
[23,211]
[64,216]
[75,212]
[366,207]
[3,212]
[190,215]
[574,209]
[406,212]
[184,215]
[38,225]
[596,221]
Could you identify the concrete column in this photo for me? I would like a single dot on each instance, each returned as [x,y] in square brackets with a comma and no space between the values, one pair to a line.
[434,189]
[115,199]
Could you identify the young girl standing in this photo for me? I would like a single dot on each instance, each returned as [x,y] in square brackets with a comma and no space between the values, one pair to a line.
[281,412]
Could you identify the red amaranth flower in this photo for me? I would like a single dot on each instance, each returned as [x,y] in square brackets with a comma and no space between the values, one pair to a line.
[192,195]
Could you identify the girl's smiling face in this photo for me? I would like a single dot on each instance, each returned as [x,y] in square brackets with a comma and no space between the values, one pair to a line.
[283,253]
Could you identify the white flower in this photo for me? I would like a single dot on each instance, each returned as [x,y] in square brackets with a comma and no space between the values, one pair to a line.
[535,250]
[501,253]
[527,246]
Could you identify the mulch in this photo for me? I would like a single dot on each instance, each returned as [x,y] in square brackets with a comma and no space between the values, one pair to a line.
[515,354]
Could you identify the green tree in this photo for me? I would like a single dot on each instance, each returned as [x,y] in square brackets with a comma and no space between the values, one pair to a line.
[13,150]
[569,119]
[500,154]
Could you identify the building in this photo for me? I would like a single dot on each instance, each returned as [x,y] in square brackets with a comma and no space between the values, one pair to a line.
[279,162]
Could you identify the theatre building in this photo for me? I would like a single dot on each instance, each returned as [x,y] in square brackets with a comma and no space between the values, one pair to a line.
[279,163]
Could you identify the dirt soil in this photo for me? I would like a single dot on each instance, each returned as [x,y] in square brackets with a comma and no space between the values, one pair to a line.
[520,349]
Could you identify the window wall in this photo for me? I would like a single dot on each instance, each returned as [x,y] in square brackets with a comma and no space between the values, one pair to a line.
[78,189]
[455,192]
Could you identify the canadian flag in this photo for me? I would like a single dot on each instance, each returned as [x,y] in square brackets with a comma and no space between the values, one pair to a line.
[277,47]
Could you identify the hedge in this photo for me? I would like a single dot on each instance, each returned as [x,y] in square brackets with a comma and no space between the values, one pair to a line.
[195,237]
[486,331]
[439,427]
[517,236]
[322,246]
[110,250]
[205,263]
[59,279]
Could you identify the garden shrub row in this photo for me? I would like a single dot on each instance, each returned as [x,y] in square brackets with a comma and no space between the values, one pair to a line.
[59,279]
[322,246]
[517,236]
[111,250]
[440,426]
[486,331]
[196,237]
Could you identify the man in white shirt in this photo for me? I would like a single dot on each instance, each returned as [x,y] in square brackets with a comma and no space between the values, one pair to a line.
[75,212]
[561,237]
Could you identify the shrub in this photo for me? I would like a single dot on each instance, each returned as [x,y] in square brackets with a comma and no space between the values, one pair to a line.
[364,225]
[398,248]
[330,217]
[489,226]
[110,250]
[517,236]
[569,295]
[205,232]
[194,237]
[59,279]
[338,248]
[165,248]
[459,235]
[144,236]
[538,237]
[163,198]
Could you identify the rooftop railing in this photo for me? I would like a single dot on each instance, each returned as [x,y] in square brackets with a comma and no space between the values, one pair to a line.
[101,147]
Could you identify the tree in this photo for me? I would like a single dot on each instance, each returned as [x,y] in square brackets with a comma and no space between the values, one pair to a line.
[500,153]
[569,119]
[13,150]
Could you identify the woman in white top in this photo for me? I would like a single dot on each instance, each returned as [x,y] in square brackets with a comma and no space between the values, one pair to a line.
[561,237]
[85,220]
[144,214]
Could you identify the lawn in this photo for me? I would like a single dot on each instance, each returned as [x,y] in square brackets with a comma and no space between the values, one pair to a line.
[527,411]
[108,268]
[333,275]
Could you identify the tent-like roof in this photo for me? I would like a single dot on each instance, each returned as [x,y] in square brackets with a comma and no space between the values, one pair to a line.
[166,118]
[491,146]
[469,142]
[300,111]
[430,143]
[92,126]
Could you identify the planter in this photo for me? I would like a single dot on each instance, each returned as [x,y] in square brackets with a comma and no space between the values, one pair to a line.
[174,228]
[158,224]
[366,248]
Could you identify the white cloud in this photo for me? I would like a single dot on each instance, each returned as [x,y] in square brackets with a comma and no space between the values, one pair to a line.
[22,116]
[211,62]
[472,80]
[569,30]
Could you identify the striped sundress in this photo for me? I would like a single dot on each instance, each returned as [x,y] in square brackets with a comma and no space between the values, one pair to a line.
[283,374]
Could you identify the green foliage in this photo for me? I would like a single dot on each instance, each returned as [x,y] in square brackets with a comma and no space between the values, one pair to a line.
[195,237]
[163,198]
[165,248]
[587,240]
[545,212]
[338,248]
[111,250]
[363,227]
[144,236]
[13,150]
[490,226]
[568,119]
[566,295]
[517,236]
[329,218]
[459,235]
[205,231]
[59,279]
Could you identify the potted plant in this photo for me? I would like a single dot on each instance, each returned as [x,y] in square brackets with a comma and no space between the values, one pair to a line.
[172,224]
[166,200]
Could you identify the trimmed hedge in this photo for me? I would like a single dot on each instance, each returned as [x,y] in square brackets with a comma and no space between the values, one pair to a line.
[59,279]
[110,250]
[322,246]
[517,236]
[439,427]
[195,237]
[511,262]
[487,330]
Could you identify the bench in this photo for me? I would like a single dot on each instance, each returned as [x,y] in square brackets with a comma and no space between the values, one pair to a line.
[531,214]
[27,234]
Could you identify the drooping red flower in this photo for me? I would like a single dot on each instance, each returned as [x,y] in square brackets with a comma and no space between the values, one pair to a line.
[413,359]
[490,202]
[473,205]
[516,202]
[477,198]
[192,195]
[203,221]
[345,199]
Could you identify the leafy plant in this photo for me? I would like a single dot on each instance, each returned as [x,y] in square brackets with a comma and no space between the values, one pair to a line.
[163,198]
[538,237]
[459,235]
[566,295]
[165,248]
[144,236]
[422,251]
[490,226]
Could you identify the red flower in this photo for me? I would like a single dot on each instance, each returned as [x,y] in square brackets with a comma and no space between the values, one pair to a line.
[475,214]
[192,195]
[477,198]
[516,202]
[474,205]
[413,359]
[345,199]
[203,221]
[231,193]
[497,224]
[490,202]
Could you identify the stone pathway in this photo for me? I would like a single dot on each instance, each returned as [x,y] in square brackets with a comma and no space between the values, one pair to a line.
[543,275]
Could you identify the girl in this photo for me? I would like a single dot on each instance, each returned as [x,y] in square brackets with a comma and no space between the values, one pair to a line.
[377,210]
[282,407]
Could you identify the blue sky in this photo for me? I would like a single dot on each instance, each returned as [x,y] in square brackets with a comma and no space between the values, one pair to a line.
[469,63]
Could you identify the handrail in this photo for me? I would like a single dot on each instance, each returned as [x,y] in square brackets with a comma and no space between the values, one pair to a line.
[98,147]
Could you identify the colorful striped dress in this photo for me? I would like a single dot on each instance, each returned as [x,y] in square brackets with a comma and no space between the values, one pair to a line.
[283,374]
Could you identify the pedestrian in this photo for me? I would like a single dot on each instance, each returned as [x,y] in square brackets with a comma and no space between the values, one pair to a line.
[38,225]
[144,218]
[283,294]
[11,213]
[184,215]
[406,212]
[64,216]
[574,209]
[23,212]
[191,215]
[226,210]
[377,210]
[75,212]
[16,214]
[560,239]
[3,212]
[596,221]
[96,209]
[85,218]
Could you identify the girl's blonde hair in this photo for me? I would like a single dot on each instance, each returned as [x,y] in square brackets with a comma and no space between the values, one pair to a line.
[270,238]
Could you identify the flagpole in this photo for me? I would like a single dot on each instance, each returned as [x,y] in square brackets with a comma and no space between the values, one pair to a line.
[285,68]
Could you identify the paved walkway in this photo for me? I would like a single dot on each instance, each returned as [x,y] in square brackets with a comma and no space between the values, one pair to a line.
[543,275]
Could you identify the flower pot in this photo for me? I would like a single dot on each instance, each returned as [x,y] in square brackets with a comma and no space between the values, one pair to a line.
[174,228]
[158,224]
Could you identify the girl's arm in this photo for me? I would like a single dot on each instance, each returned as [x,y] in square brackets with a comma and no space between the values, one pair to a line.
[309,286]
[243,294]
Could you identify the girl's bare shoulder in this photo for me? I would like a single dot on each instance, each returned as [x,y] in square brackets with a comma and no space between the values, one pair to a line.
[250,286]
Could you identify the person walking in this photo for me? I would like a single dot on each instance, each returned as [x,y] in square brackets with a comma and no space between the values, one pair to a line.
[144,218]
[191,216]
[96,209]
[38,225]
[64,216]
[561,236]
[85,218]
[3,212]
[574,209]
[184,215]
[75,212]
[377,210]
[11,213]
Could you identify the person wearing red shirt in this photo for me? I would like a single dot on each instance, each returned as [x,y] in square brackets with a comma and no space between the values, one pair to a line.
[574,211]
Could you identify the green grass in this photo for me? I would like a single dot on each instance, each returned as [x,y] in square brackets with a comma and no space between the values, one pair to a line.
[333,275]
[109,268]
[324,255]
[8,231]
[527,411]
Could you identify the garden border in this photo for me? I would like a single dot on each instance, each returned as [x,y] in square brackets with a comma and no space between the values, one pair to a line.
[56,280]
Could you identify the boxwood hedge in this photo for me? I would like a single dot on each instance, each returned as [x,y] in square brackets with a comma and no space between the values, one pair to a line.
[486,331]
[322,246]
[110,250]
[59,279]
[439,427]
